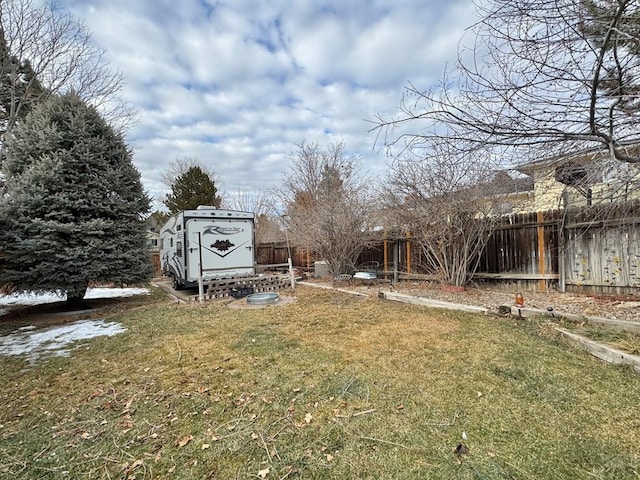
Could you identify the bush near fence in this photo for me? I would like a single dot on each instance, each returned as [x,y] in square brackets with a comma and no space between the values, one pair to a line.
[583,250]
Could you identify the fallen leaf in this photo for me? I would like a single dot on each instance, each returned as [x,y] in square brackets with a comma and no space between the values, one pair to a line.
[172,469]
[296,390]
[329,457]
[205,446]
[263,473]
[184,440]
[136,464]
[85,435]
[254,435]
[308,417]
[146,369]
[400,407]
[202,390]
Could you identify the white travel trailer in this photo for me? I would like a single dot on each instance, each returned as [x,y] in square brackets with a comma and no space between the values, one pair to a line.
[207,242]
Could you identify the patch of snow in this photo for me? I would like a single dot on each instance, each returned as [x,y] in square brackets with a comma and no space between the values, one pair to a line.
[34,299]
[54,340]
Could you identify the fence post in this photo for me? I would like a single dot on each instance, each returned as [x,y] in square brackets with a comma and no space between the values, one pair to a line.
[562,279]
[541,251]
[408,251]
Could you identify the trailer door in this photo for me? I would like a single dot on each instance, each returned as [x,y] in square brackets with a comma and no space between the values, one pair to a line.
[223,246]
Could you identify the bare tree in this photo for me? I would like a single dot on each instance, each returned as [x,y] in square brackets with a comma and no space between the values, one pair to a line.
[263,204]
[45,51]
[327,204]
[541,78]
[248,200]
[448,201]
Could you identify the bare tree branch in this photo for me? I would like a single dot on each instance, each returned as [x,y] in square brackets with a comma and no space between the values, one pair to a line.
[60,53]
[328,204]
[541,77]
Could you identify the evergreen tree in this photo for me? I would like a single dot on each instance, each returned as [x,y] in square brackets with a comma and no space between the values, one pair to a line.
[194,187]
[71,213]
[614,26]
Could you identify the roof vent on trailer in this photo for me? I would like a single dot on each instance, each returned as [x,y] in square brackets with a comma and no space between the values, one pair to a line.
[206,207]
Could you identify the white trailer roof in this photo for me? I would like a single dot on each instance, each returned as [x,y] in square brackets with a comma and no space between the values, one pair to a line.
[216,213]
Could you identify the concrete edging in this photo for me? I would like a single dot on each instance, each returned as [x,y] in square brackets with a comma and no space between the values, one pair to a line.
[603,352]
[327,287]
[620,325]
[427,302]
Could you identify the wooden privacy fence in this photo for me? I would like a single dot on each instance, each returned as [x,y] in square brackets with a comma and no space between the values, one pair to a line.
[589,250]
[277,253]
[601,252]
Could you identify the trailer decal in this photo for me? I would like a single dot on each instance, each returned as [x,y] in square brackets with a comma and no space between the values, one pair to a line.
[222,245]
[216,229]
[219,254]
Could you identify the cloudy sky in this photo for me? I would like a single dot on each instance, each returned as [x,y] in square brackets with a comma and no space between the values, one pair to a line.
[238,83]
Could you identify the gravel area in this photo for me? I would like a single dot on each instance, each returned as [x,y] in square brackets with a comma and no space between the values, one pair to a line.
[614,307]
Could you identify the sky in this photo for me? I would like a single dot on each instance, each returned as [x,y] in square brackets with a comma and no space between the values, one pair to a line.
[238,84]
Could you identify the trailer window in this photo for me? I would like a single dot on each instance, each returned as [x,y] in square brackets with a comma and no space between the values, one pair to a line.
[171,242]
[179,249]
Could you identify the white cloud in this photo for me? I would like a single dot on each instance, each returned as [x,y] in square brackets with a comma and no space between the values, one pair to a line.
[239,83]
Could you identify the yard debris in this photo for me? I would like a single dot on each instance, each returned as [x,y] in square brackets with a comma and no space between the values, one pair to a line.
[181,442]
[461,449]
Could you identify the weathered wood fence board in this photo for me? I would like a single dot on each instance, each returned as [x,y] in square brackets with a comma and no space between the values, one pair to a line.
[594,250]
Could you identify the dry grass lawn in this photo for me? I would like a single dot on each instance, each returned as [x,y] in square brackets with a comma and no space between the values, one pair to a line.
[331,386]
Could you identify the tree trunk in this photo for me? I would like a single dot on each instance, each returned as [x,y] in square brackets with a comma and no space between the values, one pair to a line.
[75,297]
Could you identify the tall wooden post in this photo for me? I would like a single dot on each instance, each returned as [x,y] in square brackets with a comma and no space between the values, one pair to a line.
[396,255]
[541,252]
[562,273]
[385,253]
[408,252]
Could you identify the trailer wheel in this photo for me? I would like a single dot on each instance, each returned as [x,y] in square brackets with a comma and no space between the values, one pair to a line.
[176,284]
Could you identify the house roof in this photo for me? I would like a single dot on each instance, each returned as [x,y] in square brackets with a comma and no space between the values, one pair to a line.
[581,156]
[510,181]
